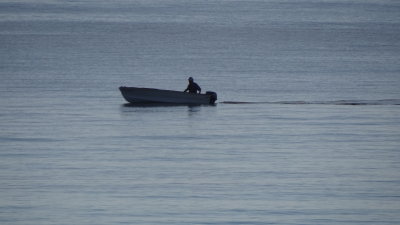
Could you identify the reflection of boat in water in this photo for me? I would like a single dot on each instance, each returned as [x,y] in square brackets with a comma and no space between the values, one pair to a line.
[151,95]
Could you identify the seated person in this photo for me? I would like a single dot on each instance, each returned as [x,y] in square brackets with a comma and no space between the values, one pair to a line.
[192,87]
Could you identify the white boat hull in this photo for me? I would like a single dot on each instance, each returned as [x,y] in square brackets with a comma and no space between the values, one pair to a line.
[151,95]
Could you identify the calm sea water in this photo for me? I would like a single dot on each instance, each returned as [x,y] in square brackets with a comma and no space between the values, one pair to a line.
[306,129]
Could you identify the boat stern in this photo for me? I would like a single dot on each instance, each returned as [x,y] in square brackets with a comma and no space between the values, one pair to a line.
[213,96]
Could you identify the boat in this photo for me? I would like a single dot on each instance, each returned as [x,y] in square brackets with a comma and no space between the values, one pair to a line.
[151,95]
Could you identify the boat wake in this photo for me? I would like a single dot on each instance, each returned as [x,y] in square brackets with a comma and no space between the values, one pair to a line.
[339,102]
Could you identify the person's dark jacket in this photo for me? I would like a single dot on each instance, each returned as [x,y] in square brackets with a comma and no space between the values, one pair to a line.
[193,88]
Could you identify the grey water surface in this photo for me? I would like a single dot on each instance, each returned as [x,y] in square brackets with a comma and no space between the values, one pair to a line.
[306,129]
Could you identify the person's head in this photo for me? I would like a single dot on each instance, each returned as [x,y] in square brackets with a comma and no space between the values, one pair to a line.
[190,79]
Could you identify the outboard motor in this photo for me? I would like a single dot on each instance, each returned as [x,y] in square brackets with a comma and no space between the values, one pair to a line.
[213,96]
